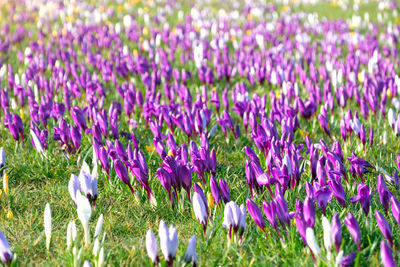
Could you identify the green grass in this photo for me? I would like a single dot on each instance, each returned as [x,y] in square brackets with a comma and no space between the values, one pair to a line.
[34,181]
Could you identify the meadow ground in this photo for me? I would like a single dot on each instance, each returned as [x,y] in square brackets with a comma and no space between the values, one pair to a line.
[35,181]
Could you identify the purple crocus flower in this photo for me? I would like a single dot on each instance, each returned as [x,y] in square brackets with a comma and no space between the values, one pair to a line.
[387,256]
[364,197]
[336,231]
[122,174]
[215,191]
[255,213]
[338,191]
[384,226]
[354,229]
[6,254]
[384,194]
[348,260]
[224,190]
[395,206]
[322,196]
[309,212]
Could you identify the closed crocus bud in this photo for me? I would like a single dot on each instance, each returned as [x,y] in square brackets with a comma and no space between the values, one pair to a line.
[122,174]
[395,206]
[200,210]
[2,158]
[37,144]
[384,226]
[224,190]
[242,221]
[84,212]
[354,229]
[168,242]
[228,222]
[387,256]
[311,242]
[327,235]
[101,262]
[75,136]
[309,212]
[74,187]
[47,225]
[348,260]
[79,117]
[87,264]
[362,134]
[336,231]
[190,255]
[255,213]
[99,226]
[6,254]
[215,190]
[71,234]
[152,247]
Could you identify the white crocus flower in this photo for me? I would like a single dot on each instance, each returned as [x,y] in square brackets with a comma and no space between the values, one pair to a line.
[152,247]
[47,225]
[84,212]
[190,255]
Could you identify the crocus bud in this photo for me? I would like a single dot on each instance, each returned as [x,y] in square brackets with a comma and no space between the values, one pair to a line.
[71,234]
[255,213]
[384,226]
[327,235]
[336,231]
[6,254]
[215,190]
[151,247]
[395,206]
[224,190]
[84,212]
[311,242]
[47,225]
[2,158]
[99,226]
[354,229]
[168,241]
[200,210]
[190,255]
[309,212]
[387,256]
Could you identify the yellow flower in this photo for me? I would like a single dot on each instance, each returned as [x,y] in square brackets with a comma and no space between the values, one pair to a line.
[285,8]
[1,192]
[9,214]
[360,77]
[389,93]
[135,52]
[145,31]
[210,200]
[303,133]
[22,114]
[150,148]
[5,183]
